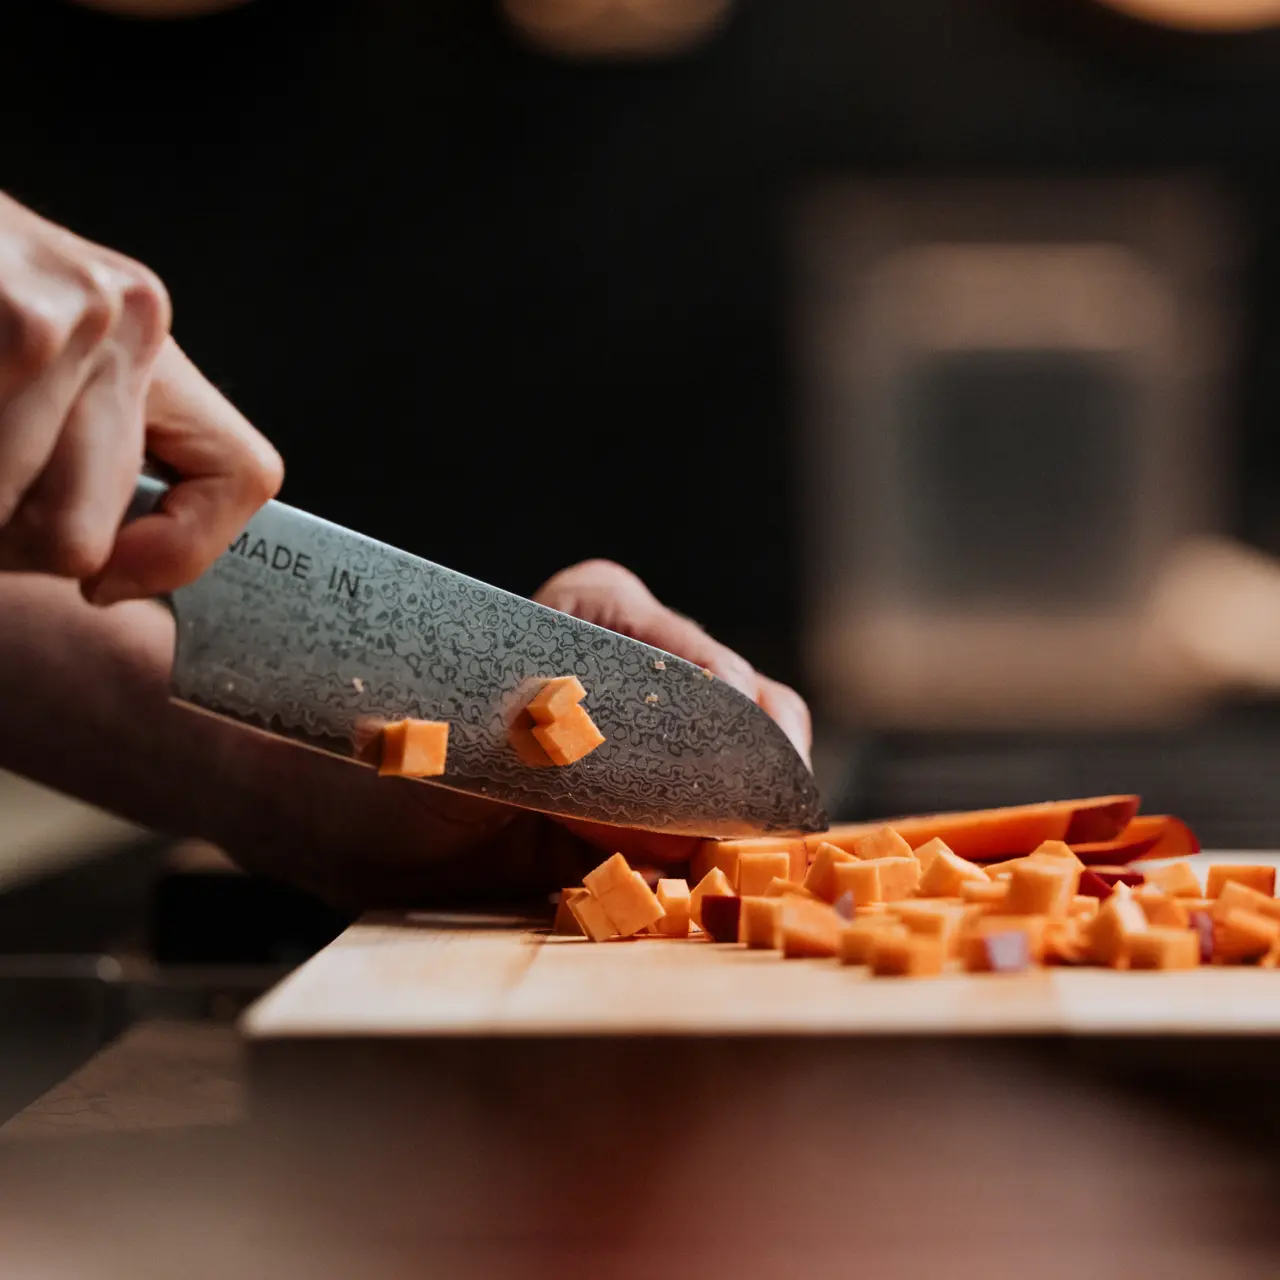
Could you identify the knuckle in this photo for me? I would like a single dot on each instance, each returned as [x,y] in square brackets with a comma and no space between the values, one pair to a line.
[67,543]
[38,340]
[148,304]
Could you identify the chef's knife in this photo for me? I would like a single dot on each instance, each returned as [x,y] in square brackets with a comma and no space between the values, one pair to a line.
[320,635]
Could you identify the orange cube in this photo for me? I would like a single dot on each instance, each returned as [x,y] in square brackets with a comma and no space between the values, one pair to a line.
[758,922]
[972,944]
[673,897]
[414,749]
[945,874]
[1161,910]
[807,928]
[589,912]
[777,888]
[819,879]
[1263,879]
[1083,907]
[1118,920]
[883,842]
[555,698]
[1003,870]
[613,873]
[862,879]
[1164,948]
[931,920]
[755,870]
[1243,935]
[1234,894]
[632,907]
[569,737]
[989,893]
[898,876]
[913,956]
[716,882]
[565,922]
[858,936]
[926,853]
[1056,849]
[1042,888]
[875,909]
[1178,880]
[1067,941]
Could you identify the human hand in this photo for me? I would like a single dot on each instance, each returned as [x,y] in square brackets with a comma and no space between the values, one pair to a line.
[91,384]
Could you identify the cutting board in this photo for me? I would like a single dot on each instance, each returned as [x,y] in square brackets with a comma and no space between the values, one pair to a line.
[424,975]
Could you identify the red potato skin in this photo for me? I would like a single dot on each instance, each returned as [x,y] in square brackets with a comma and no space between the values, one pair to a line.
[720,916]
[1093,885]
[1113,876]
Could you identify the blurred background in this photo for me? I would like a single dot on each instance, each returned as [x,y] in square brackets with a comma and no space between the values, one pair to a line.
[928,354]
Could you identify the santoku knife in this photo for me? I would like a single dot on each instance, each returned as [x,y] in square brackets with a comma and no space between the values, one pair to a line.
[321,635]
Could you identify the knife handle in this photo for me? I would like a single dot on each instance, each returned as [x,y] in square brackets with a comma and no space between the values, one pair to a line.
[147,496]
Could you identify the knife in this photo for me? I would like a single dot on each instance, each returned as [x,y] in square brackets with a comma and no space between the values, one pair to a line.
[317,634]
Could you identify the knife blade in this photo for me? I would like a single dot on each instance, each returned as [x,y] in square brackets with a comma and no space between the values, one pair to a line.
[320,635]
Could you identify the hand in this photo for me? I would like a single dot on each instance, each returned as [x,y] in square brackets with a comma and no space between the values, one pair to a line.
[90,384]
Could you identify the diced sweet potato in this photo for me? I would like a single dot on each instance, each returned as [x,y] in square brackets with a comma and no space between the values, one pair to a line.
[1178,880]
[613,873]
[883,842]
[725,854]
[857,937]
[1242,935]
[1161,910]
[590,913]
[1113,928]
[1235,894]
[715,881]
[755,870]
[565,922]
[989,893]
[807,928]
[1256,877]
[777,888]
[1066,941]
[972,941]
[1083,907]
[632,906]
[758,922]
[1056,849]
[926,853]
[819,879]
[721,914]
[875,909]
[913,956]
[555,698]
[569,737]
[1164,948]
[931,920]
[414,749]
[673,896]
[1042,888]
[945,874]
[898,876]
[861,879]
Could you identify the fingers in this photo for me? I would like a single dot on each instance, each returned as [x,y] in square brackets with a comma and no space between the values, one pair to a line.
[226,471]
[610,596]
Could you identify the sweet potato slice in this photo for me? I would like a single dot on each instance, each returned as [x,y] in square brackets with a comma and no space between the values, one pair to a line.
[414,749]
[989,834]
[758,923]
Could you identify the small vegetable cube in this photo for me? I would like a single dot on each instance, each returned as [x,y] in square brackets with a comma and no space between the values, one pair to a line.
[1162,910]
[819,880]
[862,879]
[673,896]
[555,698]
[807,928]
[632,906]
[1263,879]
[1056,849]
[883,842]
[715,881]
[612,873]
[565,921]
[988,893]
[755,870]
[1083,906]
[1041,889]
[926,853]
[414,749]
[1164,948]
[1113,928]
[1178,880]
[972,942]
[589,912]
[758,922]
[1067,941]
[778,888]
[1243,935]
[720,916]
[857,938]
[893,956]
[898,876]
[1234,894]
[569,737]
[946,873]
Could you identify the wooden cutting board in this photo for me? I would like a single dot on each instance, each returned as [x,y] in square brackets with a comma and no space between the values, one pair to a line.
[421,975]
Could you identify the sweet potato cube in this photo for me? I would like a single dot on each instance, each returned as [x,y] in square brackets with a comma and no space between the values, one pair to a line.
[565,922]
[589,912]
[613,873]
[1161,910]
[777,888]
[807,928]
[715,881]
[758,922]
[1263,879]
[1056,849]
[913,956]
[555,698]
[898,877]
[972,947]
[858,936]
[883,842]
[1164,948]
[819,879]
[1234,894]
[716,853]
[632,906]
[569,737]
[1003,870]
[1113,928]
[988,893]
[926,853]
[673,896]
[862,879]
[414,749]
[1178,880]
[1067,941]
[1040,889]
[931,920]
[877,909]
[721,913]
[755,870]
[1083,907]
[1243,935]
[946,873]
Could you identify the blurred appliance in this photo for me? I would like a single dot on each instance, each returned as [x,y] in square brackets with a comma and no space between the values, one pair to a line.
[1013,415]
